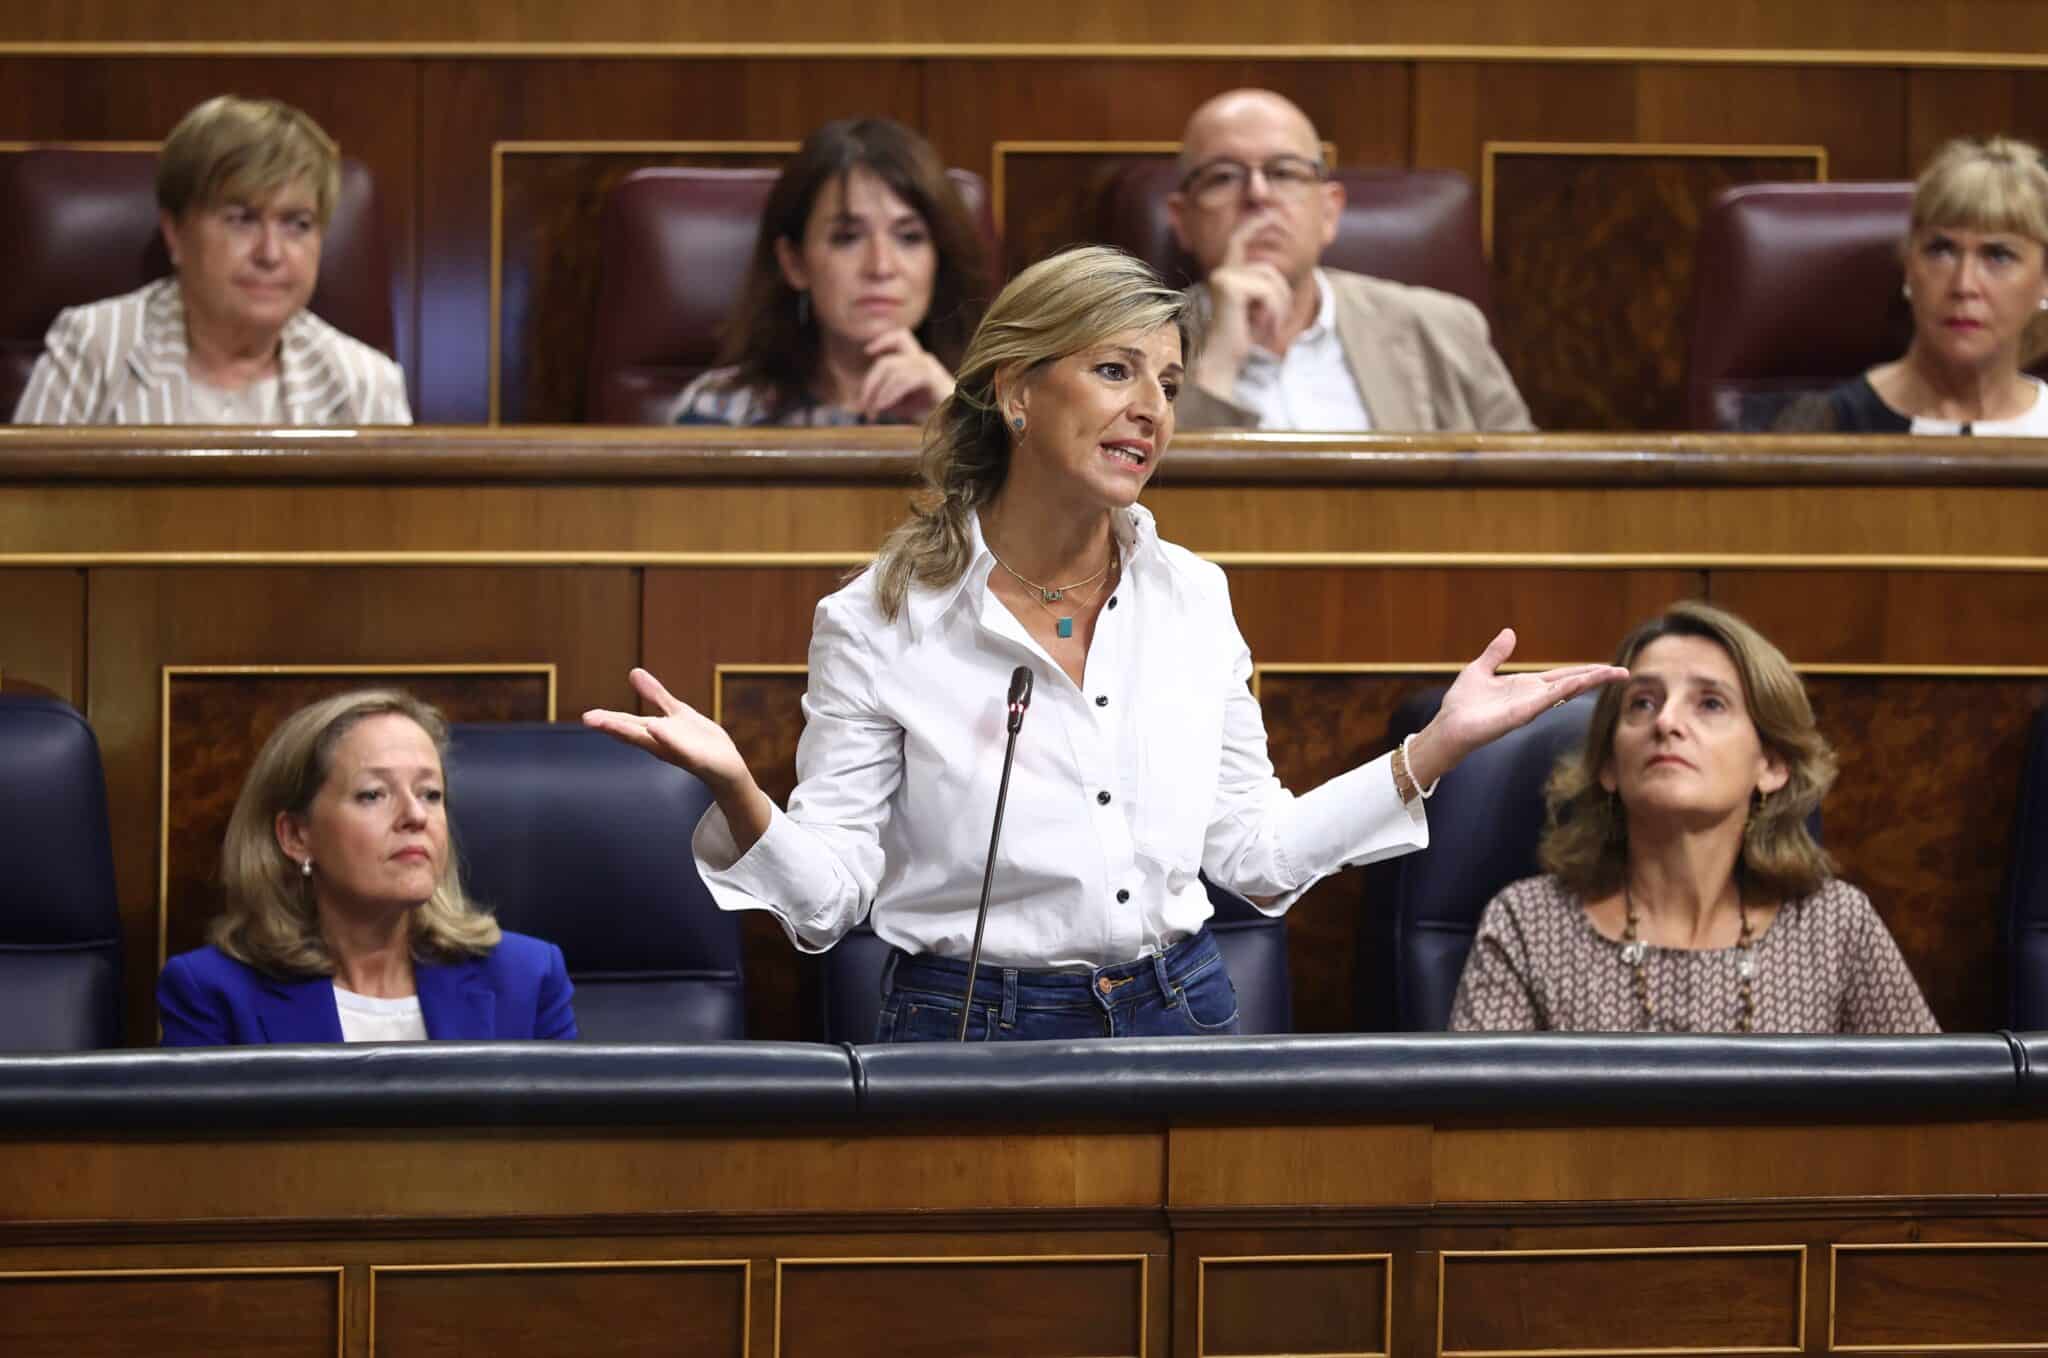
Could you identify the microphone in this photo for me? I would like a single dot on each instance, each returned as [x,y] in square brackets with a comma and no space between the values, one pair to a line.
[1020,699]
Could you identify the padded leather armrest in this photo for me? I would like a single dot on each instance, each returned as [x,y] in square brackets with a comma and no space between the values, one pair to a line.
[1511,1078]
[436,1084]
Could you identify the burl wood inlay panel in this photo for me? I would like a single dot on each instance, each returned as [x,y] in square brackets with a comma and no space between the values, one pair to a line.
[1593,265]
[218,722]
[1335,1306]
[608,1311]
[937,1308]
[1622,1301]
[1940,1296]
[201,1314]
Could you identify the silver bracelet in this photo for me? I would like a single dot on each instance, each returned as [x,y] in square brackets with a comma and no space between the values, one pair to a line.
[1408,765]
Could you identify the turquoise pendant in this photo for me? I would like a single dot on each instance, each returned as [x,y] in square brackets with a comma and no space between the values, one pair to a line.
[1066,626]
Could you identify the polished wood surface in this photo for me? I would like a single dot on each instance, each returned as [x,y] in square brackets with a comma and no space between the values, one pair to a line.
[1907,576]
[1938,26]
[1298,1237]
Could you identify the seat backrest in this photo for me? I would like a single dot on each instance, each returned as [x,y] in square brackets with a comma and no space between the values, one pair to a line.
[78,226]
[2026,888]
[676,245]
[60,918]
[572,837]
[1413,226]
[1254,948]
[1795,290]
[1484,823]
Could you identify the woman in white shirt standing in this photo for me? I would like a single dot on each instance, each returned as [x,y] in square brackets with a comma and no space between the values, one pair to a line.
[1144,760]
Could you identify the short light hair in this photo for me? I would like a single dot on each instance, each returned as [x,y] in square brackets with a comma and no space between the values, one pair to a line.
[1993,185]
[1058,306]
[1585,840]
[231,149]
[270,921]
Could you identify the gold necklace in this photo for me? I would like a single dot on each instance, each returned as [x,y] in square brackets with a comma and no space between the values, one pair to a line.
[1047,595]
[1635,953]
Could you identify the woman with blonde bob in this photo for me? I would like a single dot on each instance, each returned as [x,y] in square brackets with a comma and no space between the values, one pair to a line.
[346,919]
[245,189]
[1685,893]
[1144,761]
[1977,285]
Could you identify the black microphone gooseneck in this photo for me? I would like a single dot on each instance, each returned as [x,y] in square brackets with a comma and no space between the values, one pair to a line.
[1020,698]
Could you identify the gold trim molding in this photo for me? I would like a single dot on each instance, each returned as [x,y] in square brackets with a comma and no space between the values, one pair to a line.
[1835,1251]
[1203,1262]
[335,1271]
[744,1266]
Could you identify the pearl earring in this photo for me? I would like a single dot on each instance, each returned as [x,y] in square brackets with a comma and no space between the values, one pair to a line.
[306,868]
[1906,291]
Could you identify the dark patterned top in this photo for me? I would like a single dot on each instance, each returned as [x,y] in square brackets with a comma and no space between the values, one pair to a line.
[1826,964]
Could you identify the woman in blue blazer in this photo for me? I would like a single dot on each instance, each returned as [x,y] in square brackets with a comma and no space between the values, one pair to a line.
[346,920]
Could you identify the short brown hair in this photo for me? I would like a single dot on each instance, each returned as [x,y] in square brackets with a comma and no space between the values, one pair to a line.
[1585,842]
[270,921]
[775,352]
[230,148]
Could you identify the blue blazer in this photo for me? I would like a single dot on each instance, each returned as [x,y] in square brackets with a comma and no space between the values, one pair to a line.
[520,989]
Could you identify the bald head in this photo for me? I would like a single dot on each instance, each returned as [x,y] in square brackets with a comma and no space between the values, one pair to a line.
[1260,116]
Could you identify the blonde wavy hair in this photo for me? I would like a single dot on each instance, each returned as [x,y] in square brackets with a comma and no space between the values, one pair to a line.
[1059,306]
[271,921]
[231,149]
[1585,839]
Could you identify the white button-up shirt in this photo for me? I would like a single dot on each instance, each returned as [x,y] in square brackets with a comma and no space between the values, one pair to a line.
[1123,789]
[1311,385]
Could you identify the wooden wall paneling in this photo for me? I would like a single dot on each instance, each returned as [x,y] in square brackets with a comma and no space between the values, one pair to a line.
[1321,1304]
[695,1308]
[1459,106]
[1023,1306]
[549,205]
[219,718]
[1748,1299]
[43,650]
[1936,1295]
[470,106]
[186,1313]
[1893,617]
[100,99]
[1946,26]
[585,621]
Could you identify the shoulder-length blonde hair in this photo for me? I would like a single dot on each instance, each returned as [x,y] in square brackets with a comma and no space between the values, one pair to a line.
[1058,306]
[1585,842]
[270,921]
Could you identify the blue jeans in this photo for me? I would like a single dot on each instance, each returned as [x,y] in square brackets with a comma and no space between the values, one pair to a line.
[1184,991]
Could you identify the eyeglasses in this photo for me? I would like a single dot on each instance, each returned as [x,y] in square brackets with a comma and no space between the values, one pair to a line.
[1219,181]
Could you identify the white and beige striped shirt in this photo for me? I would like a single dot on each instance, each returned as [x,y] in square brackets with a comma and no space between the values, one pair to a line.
[122,361]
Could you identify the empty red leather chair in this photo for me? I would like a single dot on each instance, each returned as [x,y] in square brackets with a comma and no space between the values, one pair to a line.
[78,226]
[1795,290]
[676,245]
[1412,226]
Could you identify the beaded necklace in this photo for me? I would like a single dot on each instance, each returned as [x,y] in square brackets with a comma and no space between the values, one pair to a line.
[1635,953]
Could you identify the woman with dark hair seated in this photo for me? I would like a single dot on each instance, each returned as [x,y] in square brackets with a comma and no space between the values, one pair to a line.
[1976,282]
[867,278]
[1686,894]
[346,919]
[244,189]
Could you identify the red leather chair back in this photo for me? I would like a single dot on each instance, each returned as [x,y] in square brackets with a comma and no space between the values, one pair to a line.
[1795,289]
[1413,226]
[77,226]
[676,245]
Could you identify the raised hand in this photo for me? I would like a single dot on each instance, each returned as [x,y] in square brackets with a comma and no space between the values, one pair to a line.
[902,374]
[1249,303]
[685,737]
[1484,704]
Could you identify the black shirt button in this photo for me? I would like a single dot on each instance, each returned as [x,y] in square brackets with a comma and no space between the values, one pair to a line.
[1112,601]
[1102,799]
[1102,700]
[1122,896]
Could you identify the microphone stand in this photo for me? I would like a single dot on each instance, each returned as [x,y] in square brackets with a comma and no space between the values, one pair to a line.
[1020,699]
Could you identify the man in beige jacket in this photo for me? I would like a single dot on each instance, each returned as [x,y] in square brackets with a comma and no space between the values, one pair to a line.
[1290,345]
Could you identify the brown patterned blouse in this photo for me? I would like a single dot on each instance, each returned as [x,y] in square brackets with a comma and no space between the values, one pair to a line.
[1827,964]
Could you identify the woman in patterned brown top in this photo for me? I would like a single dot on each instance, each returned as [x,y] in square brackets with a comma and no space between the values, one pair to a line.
[1685,893]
